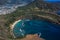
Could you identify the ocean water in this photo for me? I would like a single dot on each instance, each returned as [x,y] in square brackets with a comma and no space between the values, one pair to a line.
[47,30]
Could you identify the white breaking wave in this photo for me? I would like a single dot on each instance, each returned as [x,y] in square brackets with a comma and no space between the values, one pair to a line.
[23,25]
[20,30]
[39,34]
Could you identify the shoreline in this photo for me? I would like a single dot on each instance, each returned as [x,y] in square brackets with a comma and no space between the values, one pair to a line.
[12,25]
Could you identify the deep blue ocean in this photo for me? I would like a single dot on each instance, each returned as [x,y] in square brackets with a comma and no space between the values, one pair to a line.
[47,30]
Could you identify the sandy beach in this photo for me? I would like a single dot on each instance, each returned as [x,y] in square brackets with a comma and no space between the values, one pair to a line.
[12,25]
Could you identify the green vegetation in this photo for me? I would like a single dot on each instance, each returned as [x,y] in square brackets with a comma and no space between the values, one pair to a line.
[31,9]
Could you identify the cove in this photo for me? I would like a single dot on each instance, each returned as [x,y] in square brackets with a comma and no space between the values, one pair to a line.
[47,30]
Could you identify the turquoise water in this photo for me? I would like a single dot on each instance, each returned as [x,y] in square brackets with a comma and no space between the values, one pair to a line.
[47,30]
